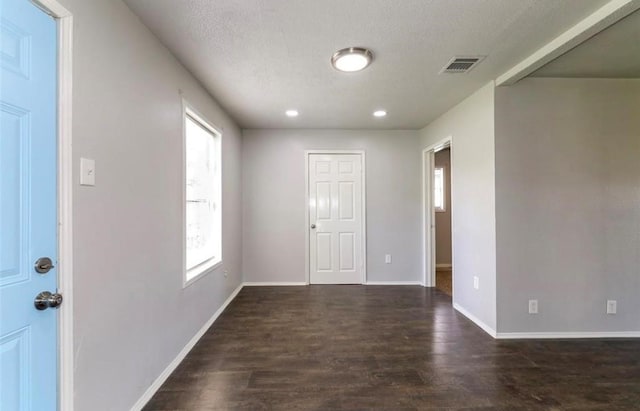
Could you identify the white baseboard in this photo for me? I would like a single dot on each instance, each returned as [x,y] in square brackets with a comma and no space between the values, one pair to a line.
[393,283]
[274,284]
[566,335]
[443,266]
[297,284]
[155,386]
[475,319]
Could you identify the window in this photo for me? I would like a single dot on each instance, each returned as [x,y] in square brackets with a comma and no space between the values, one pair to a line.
[438,189]
[203,217]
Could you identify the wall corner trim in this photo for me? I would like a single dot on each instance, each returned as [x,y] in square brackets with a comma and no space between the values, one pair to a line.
[155,386]
[475,320]
[567,335]
[605,16]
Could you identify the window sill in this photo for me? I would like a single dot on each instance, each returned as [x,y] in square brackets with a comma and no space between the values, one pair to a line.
[200,271]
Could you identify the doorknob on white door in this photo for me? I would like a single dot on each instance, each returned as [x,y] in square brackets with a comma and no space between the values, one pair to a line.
[313,226]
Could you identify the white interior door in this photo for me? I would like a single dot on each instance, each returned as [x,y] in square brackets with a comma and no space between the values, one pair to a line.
[336,253]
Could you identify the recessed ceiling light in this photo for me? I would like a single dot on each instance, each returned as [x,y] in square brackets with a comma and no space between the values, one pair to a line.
[351,59]
[291,113]
[379,113]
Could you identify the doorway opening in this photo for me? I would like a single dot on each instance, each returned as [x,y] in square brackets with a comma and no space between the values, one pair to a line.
[442,206]
[437,216]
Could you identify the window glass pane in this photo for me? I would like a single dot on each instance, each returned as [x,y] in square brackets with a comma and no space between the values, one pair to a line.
[438,195]
[202,238]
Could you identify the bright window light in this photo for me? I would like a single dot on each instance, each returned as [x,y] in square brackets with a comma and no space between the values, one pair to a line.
[438,189]
[203,225]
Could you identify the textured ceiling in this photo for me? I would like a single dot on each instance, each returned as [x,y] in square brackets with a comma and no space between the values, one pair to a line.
[261,57]
[612,53]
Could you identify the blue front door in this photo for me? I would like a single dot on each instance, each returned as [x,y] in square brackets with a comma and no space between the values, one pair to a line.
[28,207]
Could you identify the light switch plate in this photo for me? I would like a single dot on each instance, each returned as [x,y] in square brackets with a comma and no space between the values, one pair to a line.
[87,172]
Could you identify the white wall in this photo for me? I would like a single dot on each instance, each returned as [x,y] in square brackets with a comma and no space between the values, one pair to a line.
[274,201]
[132,315]
[471,126]
[568,204]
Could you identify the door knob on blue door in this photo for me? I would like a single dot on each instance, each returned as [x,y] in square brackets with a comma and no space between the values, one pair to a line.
[46,300]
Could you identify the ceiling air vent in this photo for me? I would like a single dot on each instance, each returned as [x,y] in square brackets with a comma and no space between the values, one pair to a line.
[461,64]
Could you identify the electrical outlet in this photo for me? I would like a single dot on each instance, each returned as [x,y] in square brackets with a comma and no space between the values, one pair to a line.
[226,273]
[476,282]
[387,258]
[612,306]
[533,306]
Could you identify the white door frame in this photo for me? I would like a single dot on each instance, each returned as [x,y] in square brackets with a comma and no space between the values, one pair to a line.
[428,211]
[64,21]
[363,234]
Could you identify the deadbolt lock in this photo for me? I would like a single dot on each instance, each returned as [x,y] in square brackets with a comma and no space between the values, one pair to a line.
[43,265]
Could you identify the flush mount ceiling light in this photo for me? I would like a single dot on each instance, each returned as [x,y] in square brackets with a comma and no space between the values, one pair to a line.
[291,113]
[351,59]
[379,113]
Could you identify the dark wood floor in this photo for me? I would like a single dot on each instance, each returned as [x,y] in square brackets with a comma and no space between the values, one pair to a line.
[387,348]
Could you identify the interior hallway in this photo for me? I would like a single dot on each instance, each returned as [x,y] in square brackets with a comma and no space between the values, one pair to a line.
[387,347]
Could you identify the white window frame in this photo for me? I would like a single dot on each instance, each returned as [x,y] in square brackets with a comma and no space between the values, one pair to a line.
[200,270]
[444,189]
